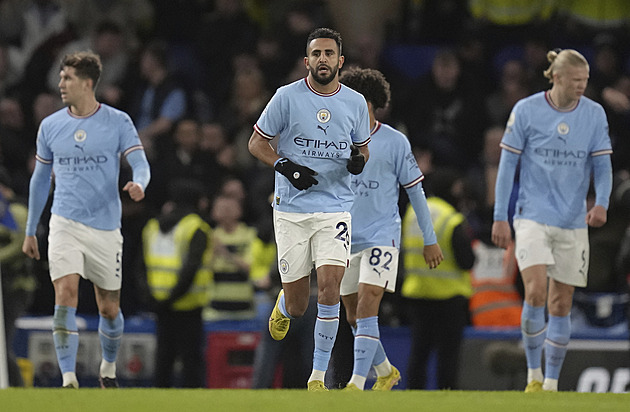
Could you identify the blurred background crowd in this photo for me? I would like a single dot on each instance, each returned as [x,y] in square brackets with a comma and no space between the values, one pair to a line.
[194,75]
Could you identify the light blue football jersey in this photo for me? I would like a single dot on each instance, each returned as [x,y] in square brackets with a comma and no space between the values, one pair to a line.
[315,130]
[85,154]
[556,149]
[375,217]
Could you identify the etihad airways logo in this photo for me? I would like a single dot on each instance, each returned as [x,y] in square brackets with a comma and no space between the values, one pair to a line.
[561,157]
[81,160]
[319,144]
[321,148]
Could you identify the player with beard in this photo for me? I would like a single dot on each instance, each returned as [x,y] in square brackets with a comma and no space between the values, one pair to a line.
[322,129]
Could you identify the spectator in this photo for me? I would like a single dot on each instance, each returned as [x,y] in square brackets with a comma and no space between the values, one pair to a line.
[158,102]
[18,281]
[224,33]
[512,88]
[437,298]
[233,288]
[177,254]
[134,17]
[444,112]
[15,143]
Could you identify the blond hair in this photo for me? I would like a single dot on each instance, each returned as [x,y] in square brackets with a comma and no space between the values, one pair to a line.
[559,59]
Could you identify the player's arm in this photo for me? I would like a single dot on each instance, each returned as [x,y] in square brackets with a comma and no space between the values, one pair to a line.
[262,150]
[141,174]
[301,177]
[432,252]
[38,191]
[501,233]
[602,181]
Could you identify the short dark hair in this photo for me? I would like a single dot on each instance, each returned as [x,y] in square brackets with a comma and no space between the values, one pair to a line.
[87,65]
[324,33]
[370,83]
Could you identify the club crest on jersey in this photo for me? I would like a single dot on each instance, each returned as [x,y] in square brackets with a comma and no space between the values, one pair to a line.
[563,128]
[323,115]
[80,136]
[284,266]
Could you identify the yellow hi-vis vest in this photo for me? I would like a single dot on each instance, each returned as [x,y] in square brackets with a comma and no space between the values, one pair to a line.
[445,281]
[511,12]
[164,254]
[603,14]
[233,289]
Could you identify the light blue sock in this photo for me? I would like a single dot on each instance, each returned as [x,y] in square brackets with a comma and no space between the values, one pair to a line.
[110,333]
[66,337]
[325,334]
[533,332]
[365,344]
[558,336]
[379,356]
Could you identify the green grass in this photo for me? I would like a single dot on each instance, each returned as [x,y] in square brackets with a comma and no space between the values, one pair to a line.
[182,400]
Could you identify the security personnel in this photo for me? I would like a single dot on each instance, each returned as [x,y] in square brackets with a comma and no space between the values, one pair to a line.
[437,298]
[495,300]
[177,255]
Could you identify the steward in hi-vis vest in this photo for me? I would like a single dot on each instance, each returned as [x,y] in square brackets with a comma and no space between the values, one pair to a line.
[495,300]
[178,250]
[448,279]
[164,255]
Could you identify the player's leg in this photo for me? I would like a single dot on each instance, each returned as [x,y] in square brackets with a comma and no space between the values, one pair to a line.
[327,321]
[103,267]
[571,255]
[378,268]
[367,334]
[533,254]
[533,324]
[111,324]
[66,262]
[330,246]
[65,331]
[292,232]
[558,332]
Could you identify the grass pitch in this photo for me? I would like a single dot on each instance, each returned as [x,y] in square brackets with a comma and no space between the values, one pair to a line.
[185,400]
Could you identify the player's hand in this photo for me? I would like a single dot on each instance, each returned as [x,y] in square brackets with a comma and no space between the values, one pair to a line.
[501,234]
[432,255]
[136,192]
[356,163]
[300,176]
[30,247]
[596,217]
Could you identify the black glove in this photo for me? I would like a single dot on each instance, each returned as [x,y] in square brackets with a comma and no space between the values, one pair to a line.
[300,176]
[356,163]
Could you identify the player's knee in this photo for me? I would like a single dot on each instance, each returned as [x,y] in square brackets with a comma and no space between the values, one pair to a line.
[109,311]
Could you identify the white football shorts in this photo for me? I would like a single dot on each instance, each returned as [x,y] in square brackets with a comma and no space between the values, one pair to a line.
[305,239]
[94,254]
[564,251]
[375,266]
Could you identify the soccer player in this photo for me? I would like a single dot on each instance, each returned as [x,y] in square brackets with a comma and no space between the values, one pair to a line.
[322,129]
[560,139]
[376,236]
[82,144]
